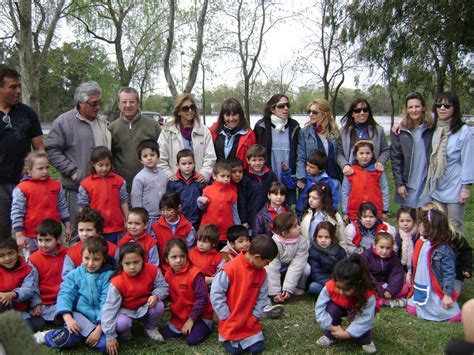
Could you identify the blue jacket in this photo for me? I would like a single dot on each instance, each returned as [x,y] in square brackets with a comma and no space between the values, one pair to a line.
[264,222]
[323,261]
[443,264]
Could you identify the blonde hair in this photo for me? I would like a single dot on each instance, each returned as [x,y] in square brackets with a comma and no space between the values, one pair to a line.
[31,158]
[433,205]
[407,121]
[328,123]
[177,108]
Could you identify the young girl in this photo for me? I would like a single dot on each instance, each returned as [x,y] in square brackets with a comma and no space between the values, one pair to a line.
[365,184]
[432,295]
[191,310]
[276,205]
[406,236]
[106,192]
[289,269]
[350,293]
[324,254]
[36,198]
[136,292]
[386,268]
[319,208]
[360,234]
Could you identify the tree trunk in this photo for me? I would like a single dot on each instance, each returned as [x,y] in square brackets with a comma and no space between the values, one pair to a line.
[169,48]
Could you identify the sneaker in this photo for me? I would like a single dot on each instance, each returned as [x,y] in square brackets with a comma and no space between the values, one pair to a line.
[299,292]
[398,303]
[369,348]
[274,311]
[154,334]
[324,342]
[39,337]
[126,335]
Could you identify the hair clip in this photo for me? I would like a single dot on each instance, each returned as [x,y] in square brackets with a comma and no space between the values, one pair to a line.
[429,215]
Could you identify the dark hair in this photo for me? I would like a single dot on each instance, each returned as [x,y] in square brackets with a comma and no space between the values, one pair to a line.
[170,199]
[49,227]
[129,248]
[408,210]
[6,72]
[330,228]
[236,231]
[221,166]
[235,162]
[384,235]
[90,215]
[232,105]
[284,222]
[367,206]
[270,105]
[209,233]
[100,153]
[348,121]
[355,275]
[277,188]
[363,143]
[256,151]
[264,246]
[452,98]
[318,158]
[9,243]
[175,242]
[95,245]
[148,144]
[324,192]
[436,226]
[184,153]
[140,211]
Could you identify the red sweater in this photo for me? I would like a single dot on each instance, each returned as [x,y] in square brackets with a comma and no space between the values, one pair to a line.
[145,241]
[245,282]
[41,203]
[182,294]
[219,210]
[12,279]
[136,290]
[343,301]
[75,253]
[207,262]
[163,232]
[49,268]
[104,196]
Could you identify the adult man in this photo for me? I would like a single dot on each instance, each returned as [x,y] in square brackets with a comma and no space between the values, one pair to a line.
[19,130]
[73,136]
[128,131]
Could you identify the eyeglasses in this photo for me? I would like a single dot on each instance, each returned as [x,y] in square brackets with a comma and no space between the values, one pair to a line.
[359,110]
[312,112]
[282,105]
[446,106]
[94,104]
[8,122]
[188,108]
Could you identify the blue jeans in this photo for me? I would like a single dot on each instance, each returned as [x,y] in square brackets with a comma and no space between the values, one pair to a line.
[63,338]
[315,288]
[255,348]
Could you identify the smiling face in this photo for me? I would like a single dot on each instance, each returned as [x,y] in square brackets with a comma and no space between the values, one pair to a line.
[444,109]
[129,104]
[92,261]
[360,113]
[315,114]
[256,163]
[90,108]
[135,224]
[415,109]
[40,169]
[241,243]
[282,108]
[132,264]
[231,119]
[186,112]
[8,258]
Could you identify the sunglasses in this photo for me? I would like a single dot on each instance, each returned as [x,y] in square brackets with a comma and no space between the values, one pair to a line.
[188,108]
[283,105]
[446,106]
[8,123]
[359,110]
[312,112]
[94,104]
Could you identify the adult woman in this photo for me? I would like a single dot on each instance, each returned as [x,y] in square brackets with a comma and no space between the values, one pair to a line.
[319,133]
[451,171]
[231,133]
[358,123]
[410,151]
[186,131]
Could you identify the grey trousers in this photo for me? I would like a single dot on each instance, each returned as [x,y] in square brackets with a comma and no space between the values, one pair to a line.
[455,212]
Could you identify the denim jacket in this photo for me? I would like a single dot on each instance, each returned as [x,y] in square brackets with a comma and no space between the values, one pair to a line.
[443,264]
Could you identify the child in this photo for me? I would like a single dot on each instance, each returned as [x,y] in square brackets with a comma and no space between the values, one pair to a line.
[350,293]
[89,223]
[324,254]
[432,296]
[36,198]
[360,234]
[237,176]
[48,261]
[239,294]
[387,270]
[276,205]
[315,173]
[365,184]
[185,183]
[191,310]
[81,299]
[136,232]
[106,192]
[288,272]
[204,255]
[406,236]
[318,209]
[219,201]
[149,184]
[237,240]
[136,291]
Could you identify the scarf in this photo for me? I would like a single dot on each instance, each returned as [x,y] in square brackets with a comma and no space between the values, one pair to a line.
[230,131]
[331,251]
[407,246]
[282,240]
[279,123]
[438,156]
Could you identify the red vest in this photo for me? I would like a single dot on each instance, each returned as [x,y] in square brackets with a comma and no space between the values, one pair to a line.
[136,290]
[41,203]
[245,282]
[104,196]
[343,301]
[207,262]
[12,279]
[49,268]
[75,253]
[219,210]
[182,294]
[382,227]
[365,187]
[163,232]
[145,241]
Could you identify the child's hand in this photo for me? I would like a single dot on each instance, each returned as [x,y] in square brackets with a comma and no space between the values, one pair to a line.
[200,178]
[465,194]
[7,297]
[347,170]
[408,279]
[209,279]
[204,200]
[338,332]
[284,166]
[246,225]
[37,310]
[68,231]
[402,191]
[285,296]
[173,178]
[466,274]
[113,347]
[94,336]
[152,301]
[20,240]
[71,324]
[379,166]
[387,294]
[278,299]
[346,219]
[187,327]
[300,184]
[447,301]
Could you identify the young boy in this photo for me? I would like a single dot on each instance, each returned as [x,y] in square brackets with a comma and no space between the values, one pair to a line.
[315,173]
[136,232]
[81,298]
[204,255]
[188,184]
[219,201]
[48,261]
[89,223]
[276,205]
[237,176]
[239,294]
[237,240]
[149,184]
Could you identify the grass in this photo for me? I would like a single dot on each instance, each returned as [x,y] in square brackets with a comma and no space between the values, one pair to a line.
[394,331]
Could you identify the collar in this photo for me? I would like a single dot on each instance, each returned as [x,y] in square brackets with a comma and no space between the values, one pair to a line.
[137,116]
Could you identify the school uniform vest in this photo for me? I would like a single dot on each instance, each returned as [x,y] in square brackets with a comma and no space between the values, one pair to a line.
[182,294]
[12,279]
[41,203]
[49,268]
[145,241]
[136,290]
[382,227]
[75,253]
[104,196]
[245,282]
[163,232]
[343,301]
[207,262]
[365,186]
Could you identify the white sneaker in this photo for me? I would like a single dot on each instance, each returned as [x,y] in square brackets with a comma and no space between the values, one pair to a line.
[154,334]
[369,348]
[299,292]
[273,311]
[324,342]
[39,337]
[398,303]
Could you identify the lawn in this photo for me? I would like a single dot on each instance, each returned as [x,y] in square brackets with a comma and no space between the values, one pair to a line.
[395,332]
